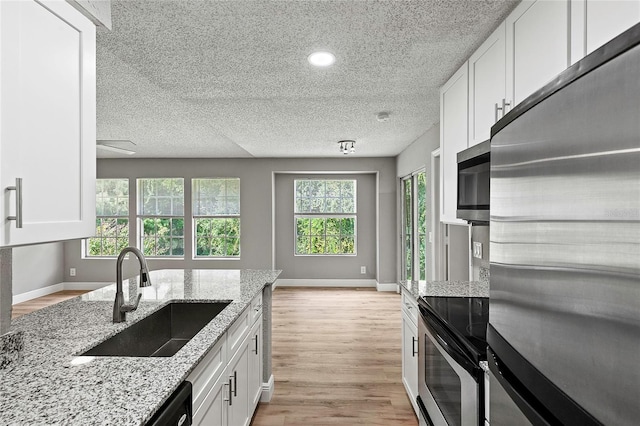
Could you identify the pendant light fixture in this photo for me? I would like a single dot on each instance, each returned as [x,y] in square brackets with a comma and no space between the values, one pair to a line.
[347,146]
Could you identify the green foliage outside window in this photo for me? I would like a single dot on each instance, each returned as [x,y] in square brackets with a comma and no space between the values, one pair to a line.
[422,224]
[325,222]
[161,216]
[216,215]
[112,218]
[325,235]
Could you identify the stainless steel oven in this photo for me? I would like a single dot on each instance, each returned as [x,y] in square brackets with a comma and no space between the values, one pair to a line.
[450,380]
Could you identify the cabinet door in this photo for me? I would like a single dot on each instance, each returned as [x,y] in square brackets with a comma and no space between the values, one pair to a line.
[213,410]
[538,49]
[255,365]
[486,86]
[605,19]
[238,373]
[48,113]
[410,359]
[453,139]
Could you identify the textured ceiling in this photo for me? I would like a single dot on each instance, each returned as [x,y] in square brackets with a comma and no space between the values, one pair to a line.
[231,79]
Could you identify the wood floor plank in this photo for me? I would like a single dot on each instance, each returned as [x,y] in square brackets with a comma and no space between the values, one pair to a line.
[20,309]
[336,359]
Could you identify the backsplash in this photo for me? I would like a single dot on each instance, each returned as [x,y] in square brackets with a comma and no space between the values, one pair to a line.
[484,275]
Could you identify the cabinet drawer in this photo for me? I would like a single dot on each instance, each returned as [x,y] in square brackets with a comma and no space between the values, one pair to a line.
[410,307]
[207,371]
[237,333]
[256,307]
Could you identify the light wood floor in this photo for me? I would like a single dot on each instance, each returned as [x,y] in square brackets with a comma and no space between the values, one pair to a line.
[336,359]
[44,301]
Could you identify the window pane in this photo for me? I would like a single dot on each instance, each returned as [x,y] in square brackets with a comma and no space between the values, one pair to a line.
[215,197]
[112,223]
[316,204]
[217,237]
[161,197]
[303,245]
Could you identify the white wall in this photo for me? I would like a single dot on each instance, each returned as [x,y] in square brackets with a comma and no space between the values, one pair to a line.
[256,210]
[322,267]
[37,266]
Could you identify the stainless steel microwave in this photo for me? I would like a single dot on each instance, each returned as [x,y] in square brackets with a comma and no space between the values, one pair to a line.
[474,167]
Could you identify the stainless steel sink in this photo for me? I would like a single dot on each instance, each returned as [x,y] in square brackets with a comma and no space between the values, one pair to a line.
[162,333]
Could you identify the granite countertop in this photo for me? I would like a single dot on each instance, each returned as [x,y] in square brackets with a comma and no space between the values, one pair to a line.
[45,387]
[446,288]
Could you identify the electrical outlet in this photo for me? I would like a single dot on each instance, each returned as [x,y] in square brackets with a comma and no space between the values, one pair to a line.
[72,272]
[363,269]
[477,250]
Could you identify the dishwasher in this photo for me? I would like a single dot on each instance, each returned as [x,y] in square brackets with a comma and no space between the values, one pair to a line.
[177,410]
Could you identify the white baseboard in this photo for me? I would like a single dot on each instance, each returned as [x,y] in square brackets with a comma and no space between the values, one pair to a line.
[85,285]
[307,282]
[45,291]
[387,287]
[267,390]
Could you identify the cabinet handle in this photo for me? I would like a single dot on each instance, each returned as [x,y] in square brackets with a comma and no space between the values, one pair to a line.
[409,306]
[502,108]
[256,339]
[235,383]
[18,189]
[258,307]
[413,346]
[230,394]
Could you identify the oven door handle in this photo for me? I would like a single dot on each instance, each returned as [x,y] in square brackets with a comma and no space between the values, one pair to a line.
[449,343]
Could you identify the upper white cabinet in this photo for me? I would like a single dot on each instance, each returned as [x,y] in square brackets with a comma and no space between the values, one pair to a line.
[607,19]
[47,121]
[453,139]
[487,67]
[538,46]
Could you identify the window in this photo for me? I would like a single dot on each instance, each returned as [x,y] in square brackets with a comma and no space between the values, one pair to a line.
[161,216]
[325,217]
[414,226]
[216,217]
[112,219]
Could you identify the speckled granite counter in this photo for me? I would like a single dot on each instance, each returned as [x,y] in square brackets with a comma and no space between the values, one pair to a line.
[446,288]
[46,388]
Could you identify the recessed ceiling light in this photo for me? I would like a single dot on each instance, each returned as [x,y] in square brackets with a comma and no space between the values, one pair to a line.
[321,59]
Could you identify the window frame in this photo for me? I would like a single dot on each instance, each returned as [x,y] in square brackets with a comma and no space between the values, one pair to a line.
[224,216]
[140,217]
[85,246]
[325,215]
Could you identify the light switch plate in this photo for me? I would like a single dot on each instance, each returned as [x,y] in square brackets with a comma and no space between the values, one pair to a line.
[477,250]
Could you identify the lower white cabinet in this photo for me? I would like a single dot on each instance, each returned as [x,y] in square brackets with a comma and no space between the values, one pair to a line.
[238,375]
[255,363]
[410,352]
[227,383]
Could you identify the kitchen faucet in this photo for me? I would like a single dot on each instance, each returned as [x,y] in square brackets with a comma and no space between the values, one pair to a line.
[119,308]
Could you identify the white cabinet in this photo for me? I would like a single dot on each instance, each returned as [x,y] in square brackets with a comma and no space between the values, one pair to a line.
[453,138]
[47,122]
[538,46]
[227,383]
[410,349]
[487,67]
[255,363]
[596,22]
[238,374]
[213,410]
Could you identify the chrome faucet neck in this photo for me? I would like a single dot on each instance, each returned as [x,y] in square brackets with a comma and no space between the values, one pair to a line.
[119,308]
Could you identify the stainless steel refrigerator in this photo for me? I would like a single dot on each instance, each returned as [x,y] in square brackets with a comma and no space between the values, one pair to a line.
[564,311]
